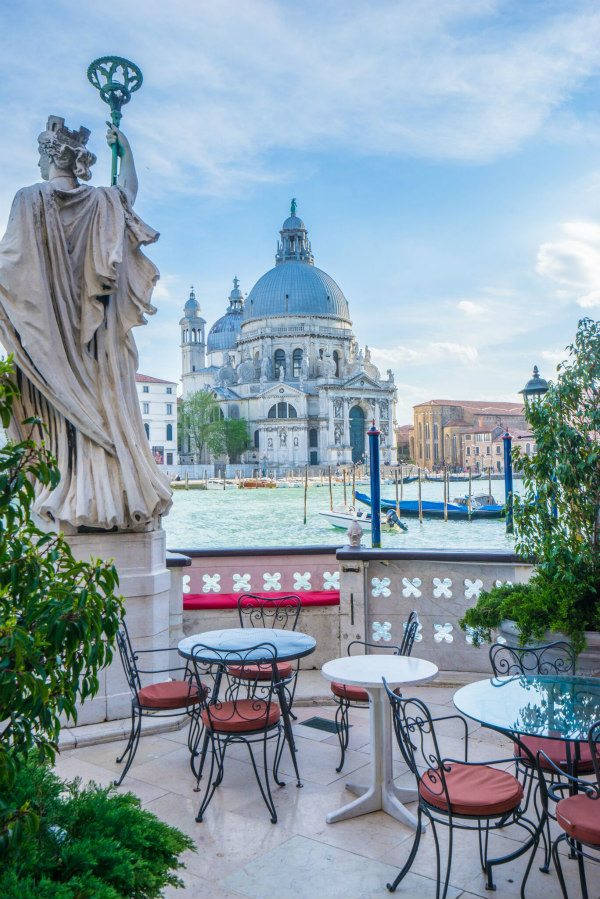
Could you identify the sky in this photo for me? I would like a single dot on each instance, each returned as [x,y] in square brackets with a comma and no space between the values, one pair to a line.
[445,156]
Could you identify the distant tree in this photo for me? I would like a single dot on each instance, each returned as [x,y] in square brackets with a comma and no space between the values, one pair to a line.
[236,437]
[201,423]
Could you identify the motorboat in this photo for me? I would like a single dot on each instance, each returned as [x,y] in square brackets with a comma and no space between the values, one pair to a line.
[344,519]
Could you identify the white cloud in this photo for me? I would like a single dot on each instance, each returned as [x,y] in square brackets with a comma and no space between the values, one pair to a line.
[230,88]
[554,357]
[573,261]
[425,353]
[470,308]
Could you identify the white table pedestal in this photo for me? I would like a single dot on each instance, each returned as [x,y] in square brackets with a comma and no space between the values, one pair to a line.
[381,793]
[368,672]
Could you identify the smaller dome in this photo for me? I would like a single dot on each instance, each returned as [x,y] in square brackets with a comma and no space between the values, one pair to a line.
[192,306]
[224,333]
[293,223]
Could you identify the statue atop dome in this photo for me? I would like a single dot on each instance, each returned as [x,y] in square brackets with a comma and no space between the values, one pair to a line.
[293,205]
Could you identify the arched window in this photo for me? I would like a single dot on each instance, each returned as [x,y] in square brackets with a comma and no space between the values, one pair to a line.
[336,359]
[257,440]
[297,363]
[282,410]
[279,360]
[169,432]
[147,429]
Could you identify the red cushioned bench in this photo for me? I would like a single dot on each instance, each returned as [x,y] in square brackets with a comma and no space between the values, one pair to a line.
[230,600]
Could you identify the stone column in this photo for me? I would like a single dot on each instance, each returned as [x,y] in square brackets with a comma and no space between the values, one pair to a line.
[145,584]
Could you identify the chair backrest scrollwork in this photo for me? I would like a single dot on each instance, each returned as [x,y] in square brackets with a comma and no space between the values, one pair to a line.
[411,629]
[223,696]
[281,612]
[418,743]
[128,658]
[551,658]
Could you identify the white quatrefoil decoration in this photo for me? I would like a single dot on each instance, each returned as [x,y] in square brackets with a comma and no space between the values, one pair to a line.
[473,588]
[271,582]
[301,581]
[411,587]
[418,634]
[380,586]
[241,582]
[442,588]
[500,583]
[212,583]
[470,634]
[443,633]
[331,580]
[186,583]
[382,631]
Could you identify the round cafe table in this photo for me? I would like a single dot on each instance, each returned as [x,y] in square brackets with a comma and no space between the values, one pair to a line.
[212,646]
[368,672]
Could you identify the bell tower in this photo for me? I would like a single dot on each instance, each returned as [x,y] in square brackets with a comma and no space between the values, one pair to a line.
[193,341]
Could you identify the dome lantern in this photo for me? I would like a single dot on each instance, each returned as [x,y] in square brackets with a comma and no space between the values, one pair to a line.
[294,245]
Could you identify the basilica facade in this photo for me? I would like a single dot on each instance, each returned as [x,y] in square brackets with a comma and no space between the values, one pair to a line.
[285,358]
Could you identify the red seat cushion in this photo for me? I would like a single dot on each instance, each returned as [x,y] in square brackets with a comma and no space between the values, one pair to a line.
[351,693]
[556,750]
[260,672]
[477,790]
[171,694]
[579,816]
[241,716]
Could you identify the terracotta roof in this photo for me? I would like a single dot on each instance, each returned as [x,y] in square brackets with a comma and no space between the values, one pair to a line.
[482,406]
[403,429]
[150,380]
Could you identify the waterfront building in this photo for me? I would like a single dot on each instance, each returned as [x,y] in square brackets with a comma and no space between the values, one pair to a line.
[158,404]
[443,430]
[286,360]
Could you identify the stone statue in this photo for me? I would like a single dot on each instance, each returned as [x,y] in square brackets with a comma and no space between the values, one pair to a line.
[73,285]
[367,355]
[245,370]
[227,375]
[281,373]
[265,369]
[354,533]
[282,438]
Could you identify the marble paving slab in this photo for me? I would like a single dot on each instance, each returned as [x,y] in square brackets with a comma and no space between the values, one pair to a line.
[301,868]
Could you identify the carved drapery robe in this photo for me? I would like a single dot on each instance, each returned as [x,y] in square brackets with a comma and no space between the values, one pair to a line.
[73,283]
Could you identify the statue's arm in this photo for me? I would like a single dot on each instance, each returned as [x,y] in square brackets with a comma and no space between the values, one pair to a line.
[127,179]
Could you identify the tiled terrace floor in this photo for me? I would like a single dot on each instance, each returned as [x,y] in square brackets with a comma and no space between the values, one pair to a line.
[241,855]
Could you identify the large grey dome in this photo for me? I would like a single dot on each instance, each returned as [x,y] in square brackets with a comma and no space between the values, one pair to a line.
[295,288]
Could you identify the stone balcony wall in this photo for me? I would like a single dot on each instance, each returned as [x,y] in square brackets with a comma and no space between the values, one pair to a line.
[379,589]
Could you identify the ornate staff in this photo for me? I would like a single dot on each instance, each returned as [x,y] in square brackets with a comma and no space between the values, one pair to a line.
[116,79]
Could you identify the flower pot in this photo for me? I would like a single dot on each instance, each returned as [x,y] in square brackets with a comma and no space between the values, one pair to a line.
[588,661]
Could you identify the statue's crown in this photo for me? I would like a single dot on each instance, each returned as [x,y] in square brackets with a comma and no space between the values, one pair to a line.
[75,139]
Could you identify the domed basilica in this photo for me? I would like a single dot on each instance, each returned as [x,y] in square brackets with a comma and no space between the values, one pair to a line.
[286,360]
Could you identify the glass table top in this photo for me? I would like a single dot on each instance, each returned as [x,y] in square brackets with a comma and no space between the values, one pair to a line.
[561,707]
[288,644]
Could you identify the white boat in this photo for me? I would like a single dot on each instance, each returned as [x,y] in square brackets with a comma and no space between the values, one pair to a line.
[343,520]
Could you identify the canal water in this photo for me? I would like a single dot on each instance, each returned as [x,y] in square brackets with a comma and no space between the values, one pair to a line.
[217,518]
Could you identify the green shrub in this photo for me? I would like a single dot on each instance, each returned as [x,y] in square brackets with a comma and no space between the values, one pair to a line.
[90,843]
[557,516]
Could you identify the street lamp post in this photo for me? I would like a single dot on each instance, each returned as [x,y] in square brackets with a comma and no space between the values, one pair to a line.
[373,435]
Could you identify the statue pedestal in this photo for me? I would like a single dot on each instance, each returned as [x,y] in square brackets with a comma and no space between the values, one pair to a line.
[144,583]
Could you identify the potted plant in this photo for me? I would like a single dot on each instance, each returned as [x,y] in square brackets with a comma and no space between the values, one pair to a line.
[557,516]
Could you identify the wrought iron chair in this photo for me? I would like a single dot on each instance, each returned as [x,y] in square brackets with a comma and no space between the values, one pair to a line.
[279,612]
[549,659]
[237,718]
[578,814]
[350,697]
[166,699]
[456,793]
